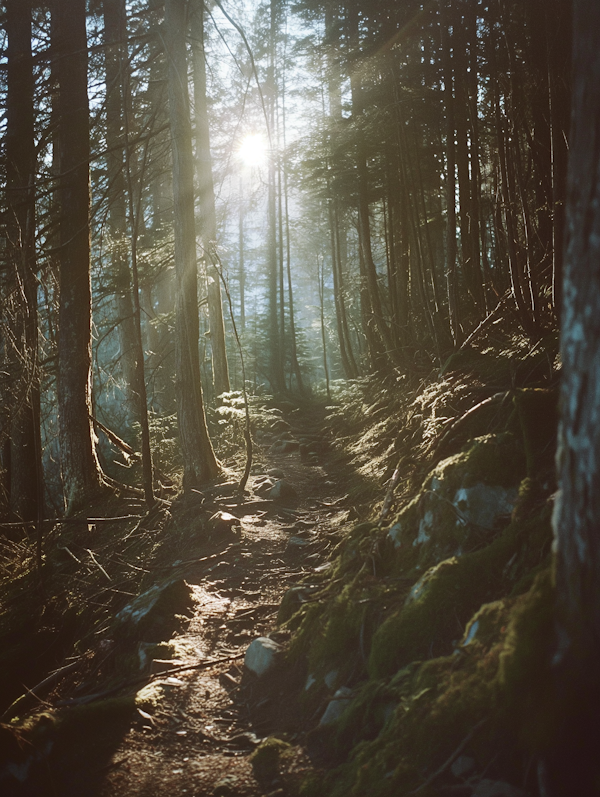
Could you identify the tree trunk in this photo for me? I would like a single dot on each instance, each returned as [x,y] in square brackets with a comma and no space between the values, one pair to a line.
[199,462]
[114,36]
[451,273]
[208,218]
[276,374]
[79,464]
[573,766]
[25,487]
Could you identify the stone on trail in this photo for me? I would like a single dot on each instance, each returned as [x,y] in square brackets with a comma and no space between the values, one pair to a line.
[223,522]
[261,655]
[284,447]
[282,491]
[276,473]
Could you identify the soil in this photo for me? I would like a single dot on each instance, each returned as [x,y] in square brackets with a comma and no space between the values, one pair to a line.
[200,726]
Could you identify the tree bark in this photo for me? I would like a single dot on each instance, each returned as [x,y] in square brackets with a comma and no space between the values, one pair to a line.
[25,487]
[114,36]
[79,464]
[573,766]
[451,271]
[199,462]
[206,191]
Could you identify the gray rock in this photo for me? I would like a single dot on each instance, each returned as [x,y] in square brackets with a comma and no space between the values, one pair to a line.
[282,491]
[285,447]
[276,473]
[331,678]
[337,705]
[223,522]
[462,766]
[497,788]
[175,592]
[226,787]
[394,533]
[483,504]
[261,655]
[294,543]
[262,487]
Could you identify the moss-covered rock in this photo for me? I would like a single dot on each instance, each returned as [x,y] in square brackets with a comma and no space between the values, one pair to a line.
[464,500]
[267,757]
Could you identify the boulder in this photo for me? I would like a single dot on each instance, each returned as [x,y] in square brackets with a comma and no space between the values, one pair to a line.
[261,656]
[282,491]
[158,606]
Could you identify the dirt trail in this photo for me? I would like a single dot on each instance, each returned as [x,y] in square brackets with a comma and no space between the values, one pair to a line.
[197,737]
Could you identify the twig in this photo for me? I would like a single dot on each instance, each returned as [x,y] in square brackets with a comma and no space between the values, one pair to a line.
[114,438]
[497,398]
[486,321]
[143,678]
[97,563]
[14,707]
[387,504]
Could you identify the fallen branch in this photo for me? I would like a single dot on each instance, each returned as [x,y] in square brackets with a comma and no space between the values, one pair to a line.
[116,440]
[497,398]
[22,701]
[97,563]
[79,701]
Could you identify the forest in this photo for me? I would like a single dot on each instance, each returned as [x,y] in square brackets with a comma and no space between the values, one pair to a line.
[299,398]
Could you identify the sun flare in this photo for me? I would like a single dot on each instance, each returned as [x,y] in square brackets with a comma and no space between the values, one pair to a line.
[253,150]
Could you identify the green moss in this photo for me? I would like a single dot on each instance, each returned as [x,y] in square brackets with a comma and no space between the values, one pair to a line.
[444,599]
[267,757]
[495,459]
[524,675]
[95,718]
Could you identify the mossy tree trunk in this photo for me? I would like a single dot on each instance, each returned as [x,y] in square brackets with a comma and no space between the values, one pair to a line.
[199,462]
[79,464]
[573,766]
[206,191]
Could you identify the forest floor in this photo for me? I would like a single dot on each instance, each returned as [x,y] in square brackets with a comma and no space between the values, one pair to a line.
[194,727]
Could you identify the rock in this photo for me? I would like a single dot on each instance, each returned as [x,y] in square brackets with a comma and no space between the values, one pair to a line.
[295,543]
[276,473]
[226,787]
[497,788]
[331,678]
[462,766]
[223,522]
[261,656]
[483,504]
[282,491]
[284,447]
[267,758]
[162,600]
[336,706]
[394,533]
[310,681]
[263,487]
